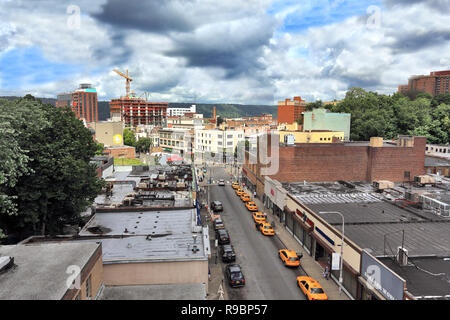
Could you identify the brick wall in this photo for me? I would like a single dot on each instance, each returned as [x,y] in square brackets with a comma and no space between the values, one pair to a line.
[333,162]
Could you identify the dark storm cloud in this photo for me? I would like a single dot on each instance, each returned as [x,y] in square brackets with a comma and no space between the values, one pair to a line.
[149,16]
[235,49]
[411,42]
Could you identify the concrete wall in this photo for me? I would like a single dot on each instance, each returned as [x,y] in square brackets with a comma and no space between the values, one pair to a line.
[105,132]
[147,273]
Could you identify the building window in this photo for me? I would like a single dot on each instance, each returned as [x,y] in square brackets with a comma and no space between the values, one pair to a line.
[88,288]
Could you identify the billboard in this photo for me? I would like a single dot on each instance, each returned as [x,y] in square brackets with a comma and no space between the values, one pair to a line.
[381,278]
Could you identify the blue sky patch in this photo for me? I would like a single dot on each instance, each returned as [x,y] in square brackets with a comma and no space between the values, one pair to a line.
[23,67]
[302,15]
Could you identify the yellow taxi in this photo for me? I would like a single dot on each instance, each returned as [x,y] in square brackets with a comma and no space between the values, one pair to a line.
[311,288]
[251,206]
[240,191]
[289,258]
[266,229]
[245,197]
[258,217]
[235,185]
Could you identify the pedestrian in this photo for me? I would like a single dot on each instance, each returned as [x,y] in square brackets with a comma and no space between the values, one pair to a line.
[254,194]
[326,273]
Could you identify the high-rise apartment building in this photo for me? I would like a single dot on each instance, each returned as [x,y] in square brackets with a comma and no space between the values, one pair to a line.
[435,83]
[82,101]
[290,110]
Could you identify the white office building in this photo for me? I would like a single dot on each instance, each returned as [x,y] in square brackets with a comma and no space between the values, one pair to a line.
[179,112]
[214,142]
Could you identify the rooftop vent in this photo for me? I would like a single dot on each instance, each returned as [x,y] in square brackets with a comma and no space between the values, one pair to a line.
[6,263]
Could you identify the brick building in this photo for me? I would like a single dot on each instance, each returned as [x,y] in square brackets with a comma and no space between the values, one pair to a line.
[82,101]
[120,152]
[290,110]
[436,83]
[353,161]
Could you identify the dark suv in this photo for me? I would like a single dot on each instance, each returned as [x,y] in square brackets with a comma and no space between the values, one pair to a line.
[227,253]
[222,236]
[218,224]
[216,206]
[234,275]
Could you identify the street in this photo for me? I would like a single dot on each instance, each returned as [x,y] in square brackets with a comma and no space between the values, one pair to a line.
[266,277]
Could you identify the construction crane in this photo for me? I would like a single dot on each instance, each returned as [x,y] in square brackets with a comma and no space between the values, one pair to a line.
[127,78]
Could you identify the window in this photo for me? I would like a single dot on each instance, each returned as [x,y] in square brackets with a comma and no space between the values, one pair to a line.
[230,143]
[229,136]
[88,288]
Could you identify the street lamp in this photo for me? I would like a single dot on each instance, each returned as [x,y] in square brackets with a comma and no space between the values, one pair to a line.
[342,248]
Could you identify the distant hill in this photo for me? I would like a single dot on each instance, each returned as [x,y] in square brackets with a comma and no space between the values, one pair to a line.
[223,110]
[229,110]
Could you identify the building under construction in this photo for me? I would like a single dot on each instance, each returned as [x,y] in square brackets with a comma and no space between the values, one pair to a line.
[137,111]
[134,111]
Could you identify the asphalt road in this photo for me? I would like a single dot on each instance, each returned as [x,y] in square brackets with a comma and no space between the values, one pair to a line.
[266,277]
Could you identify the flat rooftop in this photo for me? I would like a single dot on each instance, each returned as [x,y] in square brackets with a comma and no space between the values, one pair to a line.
[40,269]
[436,162]
[426,278]
[147,235]
[187,291]
[374,220]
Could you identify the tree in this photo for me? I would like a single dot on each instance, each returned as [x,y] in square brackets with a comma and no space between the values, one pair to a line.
[129,138]
[143,145]
[100,148]
[54,180]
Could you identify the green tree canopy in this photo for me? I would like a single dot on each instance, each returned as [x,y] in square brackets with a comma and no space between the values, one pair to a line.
[143,145]
[129,138]
[52,180]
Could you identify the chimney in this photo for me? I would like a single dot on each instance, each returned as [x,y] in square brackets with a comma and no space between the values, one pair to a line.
[214,112]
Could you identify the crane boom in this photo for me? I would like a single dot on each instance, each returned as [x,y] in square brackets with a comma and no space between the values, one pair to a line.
[128,79]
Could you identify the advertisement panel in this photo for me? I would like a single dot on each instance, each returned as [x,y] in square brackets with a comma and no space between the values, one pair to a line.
[381,278]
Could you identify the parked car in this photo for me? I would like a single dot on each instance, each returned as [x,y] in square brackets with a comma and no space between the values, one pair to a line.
[235,185]
[239,192]
[222,236]
[245,197]
[266,229]
[289,257]
[221,182]
[234,275]
[311,288]
[227,253]
[216,206]
[218,224]
[258,217]
[251,206]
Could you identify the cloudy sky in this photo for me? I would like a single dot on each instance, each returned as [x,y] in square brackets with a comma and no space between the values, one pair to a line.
[251,52]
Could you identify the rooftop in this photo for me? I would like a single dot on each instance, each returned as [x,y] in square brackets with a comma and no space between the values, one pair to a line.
[40,270]
[426,278]
[186,291]
[147,235]
[376,220]
[436,162]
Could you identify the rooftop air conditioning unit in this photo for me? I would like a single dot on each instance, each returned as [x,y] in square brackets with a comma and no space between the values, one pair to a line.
[402,256]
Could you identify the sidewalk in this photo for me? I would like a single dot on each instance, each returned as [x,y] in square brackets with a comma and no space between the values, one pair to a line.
[309,265]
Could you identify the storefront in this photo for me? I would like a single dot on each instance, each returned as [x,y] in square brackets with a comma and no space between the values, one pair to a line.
[247,181]
[320,240]
[274,197]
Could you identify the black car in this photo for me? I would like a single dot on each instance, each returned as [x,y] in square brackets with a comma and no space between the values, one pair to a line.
[234,275]
[218,224]
[227,253]
[221,182]
[216,206]
[222,236]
